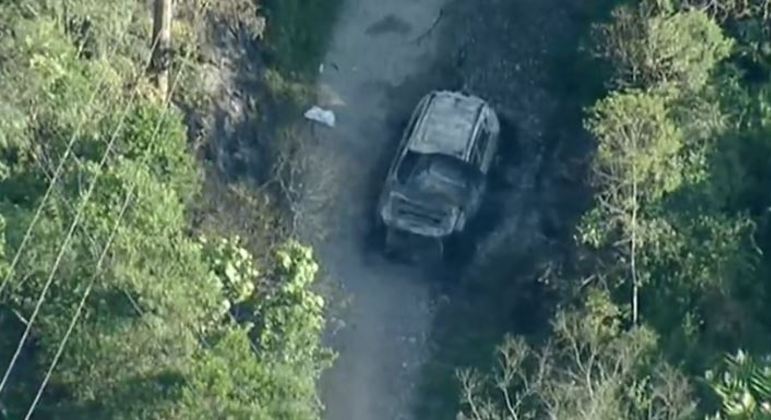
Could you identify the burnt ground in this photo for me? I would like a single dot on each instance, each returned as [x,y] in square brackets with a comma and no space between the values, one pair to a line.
[402,331]
[406,329]
[527,58]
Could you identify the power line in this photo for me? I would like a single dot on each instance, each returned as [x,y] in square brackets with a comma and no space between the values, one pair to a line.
[92,281]
[68,237]
[60,167]
[79,310]
[103,254]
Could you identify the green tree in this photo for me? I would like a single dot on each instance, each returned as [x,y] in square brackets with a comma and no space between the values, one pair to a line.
[652,45]
[162,333]
[590,369]
[637,163]
[743,386]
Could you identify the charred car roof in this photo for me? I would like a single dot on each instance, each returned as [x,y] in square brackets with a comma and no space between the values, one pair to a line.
[447,125]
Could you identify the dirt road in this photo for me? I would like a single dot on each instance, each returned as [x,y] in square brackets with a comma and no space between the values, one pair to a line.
[377,50]
[383,57]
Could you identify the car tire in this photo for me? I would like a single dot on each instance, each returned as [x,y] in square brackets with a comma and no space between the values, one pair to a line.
[375,235]
[390,247]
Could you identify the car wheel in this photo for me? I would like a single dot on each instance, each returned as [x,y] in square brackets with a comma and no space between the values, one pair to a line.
[390,244]
[457,250]
[375,235]
[428,253]
[397,249]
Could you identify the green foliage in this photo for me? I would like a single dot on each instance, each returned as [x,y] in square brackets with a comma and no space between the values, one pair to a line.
[637,155]
[298,33]
[159,335]
[46,89]
[748,22]
[233,266]
[681,222]
[685,48]
[698,269]
[279,381]
[743,386]
[637,164]
[705,252]
[157,137]
[292,95]
[739,163]
[694,200]
[223,382]
[652,45]
[590,369]
[243,16]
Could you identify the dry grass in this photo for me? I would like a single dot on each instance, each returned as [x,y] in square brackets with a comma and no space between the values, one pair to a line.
[240,210]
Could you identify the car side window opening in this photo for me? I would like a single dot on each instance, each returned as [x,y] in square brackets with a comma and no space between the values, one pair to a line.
[414,118]
[436,174]
[406,136]
[480,146]
[411,126]
[407,166]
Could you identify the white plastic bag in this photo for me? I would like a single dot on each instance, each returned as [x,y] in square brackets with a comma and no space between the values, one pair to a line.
[321,115]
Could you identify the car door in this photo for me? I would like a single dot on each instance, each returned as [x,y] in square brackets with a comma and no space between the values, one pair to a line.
[407,135]
[401,150]
[488,140]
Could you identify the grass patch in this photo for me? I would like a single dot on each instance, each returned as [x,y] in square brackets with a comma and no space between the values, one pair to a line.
[236,209]
[298,33]
[289,96]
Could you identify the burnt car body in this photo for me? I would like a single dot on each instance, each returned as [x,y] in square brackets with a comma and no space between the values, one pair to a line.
[438,178]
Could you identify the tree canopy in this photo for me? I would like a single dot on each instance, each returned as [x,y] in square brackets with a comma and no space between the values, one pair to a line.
[96,180]
[679,231]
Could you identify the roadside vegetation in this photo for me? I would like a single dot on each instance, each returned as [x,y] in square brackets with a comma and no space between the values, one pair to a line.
[299,34]
[121,296]
[667,316]
[142,279]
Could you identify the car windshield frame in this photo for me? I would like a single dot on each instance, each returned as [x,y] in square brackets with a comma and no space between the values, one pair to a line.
[447,178]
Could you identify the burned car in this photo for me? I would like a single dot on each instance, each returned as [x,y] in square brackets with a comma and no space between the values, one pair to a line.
[436,182]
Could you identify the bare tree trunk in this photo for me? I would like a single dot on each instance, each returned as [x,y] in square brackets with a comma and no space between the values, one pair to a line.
[633,257]
[162,11]
[635,284]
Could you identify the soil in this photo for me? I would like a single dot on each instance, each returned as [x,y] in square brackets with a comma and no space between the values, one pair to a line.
[382,340]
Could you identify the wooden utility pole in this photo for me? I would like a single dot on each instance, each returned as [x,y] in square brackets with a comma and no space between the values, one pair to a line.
[161,61]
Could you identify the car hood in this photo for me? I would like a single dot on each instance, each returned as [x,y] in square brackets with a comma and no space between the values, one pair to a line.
[423,216]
